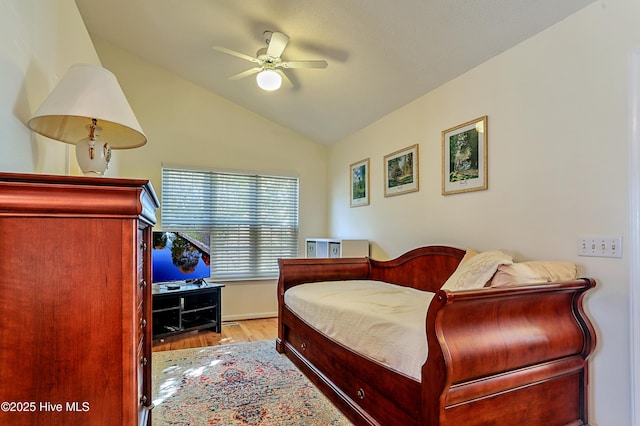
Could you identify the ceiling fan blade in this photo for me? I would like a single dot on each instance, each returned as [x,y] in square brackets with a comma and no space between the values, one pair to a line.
[285,79]
[277,43]
[304,64]
[246,73]
[237,54]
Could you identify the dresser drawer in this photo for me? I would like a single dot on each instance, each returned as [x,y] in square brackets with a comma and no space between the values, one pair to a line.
[142,252]
[144,400]
[142,323]
[141,288]
[142,362]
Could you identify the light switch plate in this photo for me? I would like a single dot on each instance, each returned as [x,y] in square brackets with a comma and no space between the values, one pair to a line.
[600,246]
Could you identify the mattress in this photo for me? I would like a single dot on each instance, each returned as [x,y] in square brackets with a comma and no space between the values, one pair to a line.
[383,322]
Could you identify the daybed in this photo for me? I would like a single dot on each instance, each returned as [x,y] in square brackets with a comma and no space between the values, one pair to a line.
[510,355]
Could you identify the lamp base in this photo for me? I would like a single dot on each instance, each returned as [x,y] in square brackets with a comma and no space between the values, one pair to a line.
[93,157]
[93,173]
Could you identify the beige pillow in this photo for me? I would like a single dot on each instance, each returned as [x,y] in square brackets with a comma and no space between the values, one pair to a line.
[477,271]
[468,255]
[534,272]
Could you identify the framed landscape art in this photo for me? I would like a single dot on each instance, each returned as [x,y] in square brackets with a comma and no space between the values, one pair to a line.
[401,171]
[359,183]
[464,157]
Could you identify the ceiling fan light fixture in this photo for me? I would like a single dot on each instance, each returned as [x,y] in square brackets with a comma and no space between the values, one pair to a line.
[269,80]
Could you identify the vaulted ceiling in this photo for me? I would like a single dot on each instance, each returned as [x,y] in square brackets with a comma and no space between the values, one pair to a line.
[382,54]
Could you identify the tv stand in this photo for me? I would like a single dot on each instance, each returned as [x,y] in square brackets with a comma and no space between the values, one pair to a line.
[196,281]
[192,306]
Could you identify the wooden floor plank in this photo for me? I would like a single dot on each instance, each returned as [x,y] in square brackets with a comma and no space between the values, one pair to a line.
[232,332]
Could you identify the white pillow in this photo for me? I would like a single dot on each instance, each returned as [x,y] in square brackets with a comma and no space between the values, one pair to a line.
[477,271]
[534,272]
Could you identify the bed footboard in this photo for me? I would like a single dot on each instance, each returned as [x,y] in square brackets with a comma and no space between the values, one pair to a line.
[508,356]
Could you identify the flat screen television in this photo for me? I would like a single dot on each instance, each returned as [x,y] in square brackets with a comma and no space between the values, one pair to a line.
[180,256]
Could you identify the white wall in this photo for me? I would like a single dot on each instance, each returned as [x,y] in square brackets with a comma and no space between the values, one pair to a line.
[39,40]
[634,228]
[190,126]
[557,132]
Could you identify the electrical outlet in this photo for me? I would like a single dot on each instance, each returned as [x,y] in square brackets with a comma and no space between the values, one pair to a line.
[600,246]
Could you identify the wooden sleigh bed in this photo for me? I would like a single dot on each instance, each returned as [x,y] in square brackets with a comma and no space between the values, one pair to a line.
[514,355]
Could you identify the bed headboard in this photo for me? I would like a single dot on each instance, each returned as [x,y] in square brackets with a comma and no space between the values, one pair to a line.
[424,268]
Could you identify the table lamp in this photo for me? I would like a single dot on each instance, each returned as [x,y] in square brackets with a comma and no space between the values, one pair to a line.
[89,110]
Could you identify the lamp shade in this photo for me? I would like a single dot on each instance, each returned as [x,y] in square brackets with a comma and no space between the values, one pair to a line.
[85,93]
[269,80]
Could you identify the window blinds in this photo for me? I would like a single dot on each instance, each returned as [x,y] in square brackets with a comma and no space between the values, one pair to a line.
[253,219]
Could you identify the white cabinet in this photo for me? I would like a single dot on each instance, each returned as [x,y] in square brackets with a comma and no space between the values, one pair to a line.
[328,247]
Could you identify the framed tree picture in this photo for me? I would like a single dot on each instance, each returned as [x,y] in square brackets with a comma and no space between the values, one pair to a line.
[359,183]
[464,157]
[401,171]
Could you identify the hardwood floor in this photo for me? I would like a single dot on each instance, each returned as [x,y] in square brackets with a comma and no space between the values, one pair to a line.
[232,332]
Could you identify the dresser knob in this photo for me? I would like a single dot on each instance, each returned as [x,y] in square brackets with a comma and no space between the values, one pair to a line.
[143,399]
[143,322]
[143,245]
[144,360]
[360,393]
[303,346]
[143,283]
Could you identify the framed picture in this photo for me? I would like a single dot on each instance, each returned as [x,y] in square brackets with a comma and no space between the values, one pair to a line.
[359,183]
[401,171]
[464,157]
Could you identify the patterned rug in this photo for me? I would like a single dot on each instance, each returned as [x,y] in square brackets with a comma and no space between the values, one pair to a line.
[241,384]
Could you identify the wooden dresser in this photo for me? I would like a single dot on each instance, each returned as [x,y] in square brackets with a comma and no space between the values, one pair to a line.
[75,300]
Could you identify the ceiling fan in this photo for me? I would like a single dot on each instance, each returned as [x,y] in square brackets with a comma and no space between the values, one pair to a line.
[269,62]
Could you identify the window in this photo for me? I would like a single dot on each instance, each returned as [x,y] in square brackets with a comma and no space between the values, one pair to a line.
[253,219]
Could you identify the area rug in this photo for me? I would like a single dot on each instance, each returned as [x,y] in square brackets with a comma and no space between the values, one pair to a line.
[240,384]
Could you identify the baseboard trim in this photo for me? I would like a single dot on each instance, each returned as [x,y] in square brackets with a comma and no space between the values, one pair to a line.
[249,316]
